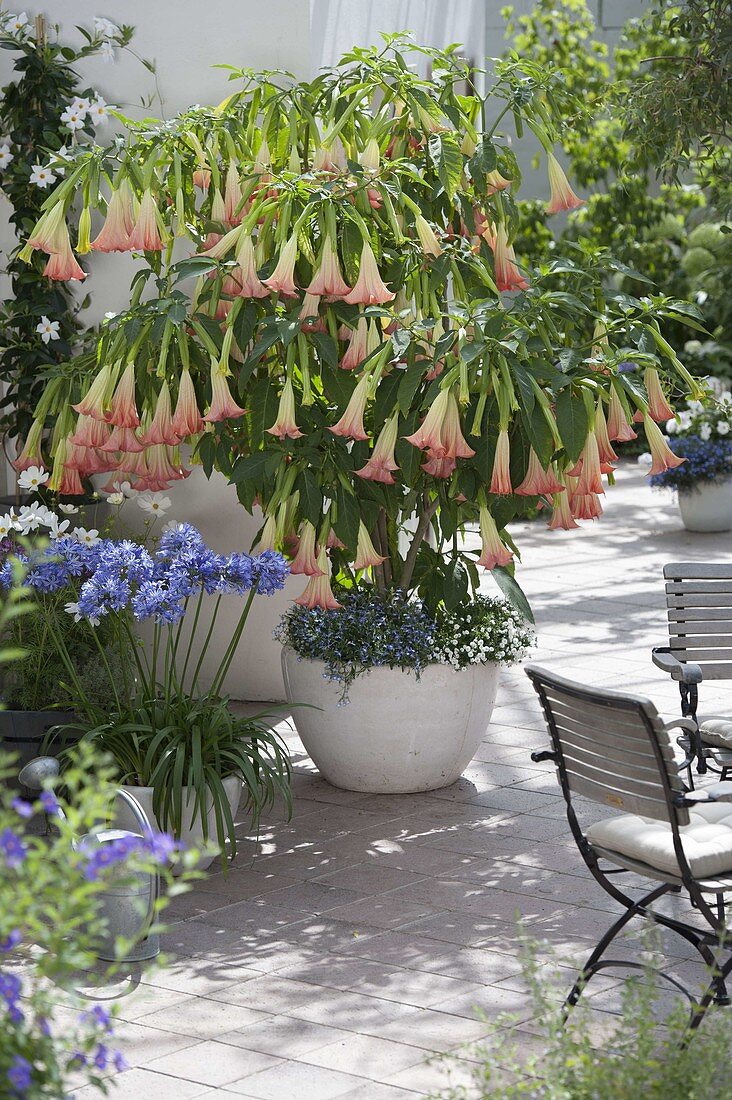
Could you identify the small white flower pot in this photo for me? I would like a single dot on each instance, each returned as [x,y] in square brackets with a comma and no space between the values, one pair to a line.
[707,507]
[191,834]
[396,734]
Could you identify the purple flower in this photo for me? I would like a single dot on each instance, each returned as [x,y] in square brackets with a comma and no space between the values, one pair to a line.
[101,1057]
[161,846]
[270,571]
[99,1016]
[11,941]
[49,802]
[10,991]
[20,1074]
[22,808]
[120,1062]
[12,848]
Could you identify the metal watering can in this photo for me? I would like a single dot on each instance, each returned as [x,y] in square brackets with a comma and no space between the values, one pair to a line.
[128,902]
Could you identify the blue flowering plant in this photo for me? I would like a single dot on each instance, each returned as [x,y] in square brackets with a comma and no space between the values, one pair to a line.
[53,1038]
[403,631]
[701,434]
[162,729]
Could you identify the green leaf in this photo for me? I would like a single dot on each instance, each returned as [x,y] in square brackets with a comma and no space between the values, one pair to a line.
[327,348]
[347,517]
[409,385]
[513,592]
[572,422]
[539,433]
[456,584]
[256,467]
[311,498]
[193,267]
[448,161]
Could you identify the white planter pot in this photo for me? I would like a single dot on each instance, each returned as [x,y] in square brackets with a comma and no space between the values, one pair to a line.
[396,734]
[708,507]
[191,834]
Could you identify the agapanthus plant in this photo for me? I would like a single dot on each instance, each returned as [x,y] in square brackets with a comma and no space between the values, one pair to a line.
[363,354]
[160,726]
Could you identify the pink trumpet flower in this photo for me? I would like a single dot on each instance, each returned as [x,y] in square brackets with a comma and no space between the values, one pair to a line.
[618,427]
[114,235]
[658,406]
[96,400]
[122,438]
[538,481]
[318,592]
[220,249]
[508,276]
[590,476]
[161,429]
[369,290]
[309,315]
[31,453]
[562,518]
[439,467]
[202,178]
[50,233]
[282,279]
[123,411]
[663,456]
[357,349]
[350,424]
[381,465]
[285,426]
[562,195]
[223,406]
[439,433]
[493,552]
[187,419]
[246,270]
[366,556]
[63,265]
[501,476]
[145,235]
[232,196]
[604,447]
[453,439]
[333,542]
[329,281]
[305,560]
[427,237]
[162,467]
[586,506]
[90,432]
[496,182]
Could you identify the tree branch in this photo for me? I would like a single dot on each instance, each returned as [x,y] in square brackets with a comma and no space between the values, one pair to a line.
[422,527]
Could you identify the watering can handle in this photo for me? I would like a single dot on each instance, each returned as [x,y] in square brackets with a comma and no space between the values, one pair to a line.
[145,828]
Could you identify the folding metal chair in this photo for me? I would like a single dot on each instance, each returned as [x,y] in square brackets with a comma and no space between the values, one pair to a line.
[614,749]
[699,603]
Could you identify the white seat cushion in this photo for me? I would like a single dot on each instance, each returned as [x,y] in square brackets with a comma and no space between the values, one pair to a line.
[717,731]
[707,840]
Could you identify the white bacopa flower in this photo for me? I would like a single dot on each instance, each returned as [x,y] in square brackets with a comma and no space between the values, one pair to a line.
[671,427]
[5,156]
[49,330]
[33,477]
[87,537]
[705,432]
[723,427]
[68,509]
[73,119]
[42,176]
[156,504]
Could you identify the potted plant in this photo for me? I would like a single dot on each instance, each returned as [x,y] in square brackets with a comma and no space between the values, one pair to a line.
[701,438]
[352,340]
[421,685]
[181,751]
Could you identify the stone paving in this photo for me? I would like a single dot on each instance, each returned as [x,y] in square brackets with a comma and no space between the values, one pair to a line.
[371,933]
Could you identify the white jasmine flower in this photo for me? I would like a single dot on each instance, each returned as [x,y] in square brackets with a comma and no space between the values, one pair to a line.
[705,432]
[48,329]
[88,537]
[105,27]
[33,477]
[56,161]
[5,156]
[156,504]
[645,459]
[68,509]
[73,119]
[8,524]
[80,104]
[723,427]
[99,112]
[107,51]
[42,176]
[17,24]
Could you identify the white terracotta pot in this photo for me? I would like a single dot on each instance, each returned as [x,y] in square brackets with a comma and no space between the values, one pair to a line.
[707,507]
[396,734]
[191,834]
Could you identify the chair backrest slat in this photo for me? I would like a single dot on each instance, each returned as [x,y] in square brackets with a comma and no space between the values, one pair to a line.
[612,747]
[699,603]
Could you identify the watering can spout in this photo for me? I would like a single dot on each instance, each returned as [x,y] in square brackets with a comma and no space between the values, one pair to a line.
[37,771]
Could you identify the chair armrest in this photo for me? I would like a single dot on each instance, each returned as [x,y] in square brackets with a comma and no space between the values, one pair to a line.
[686,724]
[686,673]
[719,792]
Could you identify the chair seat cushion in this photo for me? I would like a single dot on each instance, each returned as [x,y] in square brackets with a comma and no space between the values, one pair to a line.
[707,840]
[717,731]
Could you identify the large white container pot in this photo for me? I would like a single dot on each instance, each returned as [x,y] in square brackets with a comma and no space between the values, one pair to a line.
[396,734]
[191,834]
[707,507]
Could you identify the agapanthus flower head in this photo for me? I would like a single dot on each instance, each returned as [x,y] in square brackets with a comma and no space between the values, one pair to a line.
[285,425]
[493,552]
[350,424]
[381,464]
[370,290]
[318,591]
[562,196]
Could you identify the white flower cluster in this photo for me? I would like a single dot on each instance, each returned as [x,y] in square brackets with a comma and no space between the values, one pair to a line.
[32,479]
[488,630]
[37,517]
[705,420]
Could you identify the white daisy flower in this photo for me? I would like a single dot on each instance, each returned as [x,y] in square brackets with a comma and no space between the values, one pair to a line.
[33,477]
[42,176]
[57,527]
[68,509]
[156,504]
[31,517]
[8,524]
[49,330]
[87,537]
